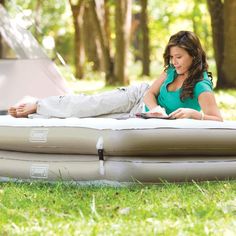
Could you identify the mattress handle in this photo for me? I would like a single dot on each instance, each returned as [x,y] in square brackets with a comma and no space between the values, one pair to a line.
[100,149]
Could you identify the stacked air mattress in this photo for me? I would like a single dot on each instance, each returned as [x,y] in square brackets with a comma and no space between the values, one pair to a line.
[123,150]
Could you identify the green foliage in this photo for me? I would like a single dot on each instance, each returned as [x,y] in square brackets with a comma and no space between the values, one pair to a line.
[165,18]
[54,18]
[170,16]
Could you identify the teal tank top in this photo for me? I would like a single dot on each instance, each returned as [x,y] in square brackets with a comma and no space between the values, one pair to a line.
[170,100]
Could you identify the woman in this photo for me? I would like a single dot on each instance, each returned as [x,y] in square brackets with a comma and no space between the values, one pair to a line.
[184,90]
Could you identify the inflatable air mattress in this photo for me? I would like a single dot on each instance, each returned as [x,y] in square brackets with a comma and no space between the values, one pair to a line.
[122,150]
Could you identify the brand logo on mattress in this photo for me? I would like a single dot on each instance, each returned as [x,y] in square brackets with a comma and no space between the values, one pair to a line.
[38,135]
[39,171]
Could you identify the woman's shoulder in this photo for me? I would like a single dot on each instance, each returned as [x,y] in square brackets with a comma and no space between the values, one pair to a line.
[162,77]
[170,73]
[204,85]
[206,79]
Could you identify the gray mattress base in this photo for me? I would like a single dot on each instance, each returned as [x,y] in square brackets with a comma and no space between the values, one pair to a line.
[64,167]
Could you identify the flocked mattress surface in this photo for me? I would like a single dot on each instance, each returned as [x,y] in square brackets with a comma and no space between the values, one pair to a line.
[115,124]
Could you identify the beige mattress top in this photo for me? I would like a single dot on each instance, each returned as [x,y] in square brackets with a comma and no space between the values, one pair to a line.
[114,124]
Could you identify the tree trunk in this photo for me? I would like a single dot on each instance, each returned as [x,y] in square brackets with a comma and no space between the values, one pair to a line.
[99,26]
[91,42]
[145,39]
[77,12]
[107,22]
[1,43]
[123,27]
[37,18]
[1,46]
[135,35]
[217,22]
[229,68]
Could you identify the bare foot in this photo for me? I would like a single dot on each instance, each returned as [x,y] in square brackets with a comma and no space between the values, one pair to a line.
[12,111]
[23,110]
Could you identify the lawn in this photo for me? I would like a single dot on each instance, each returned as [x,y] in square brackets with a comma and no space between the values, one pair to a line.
[110,208]
[207,208]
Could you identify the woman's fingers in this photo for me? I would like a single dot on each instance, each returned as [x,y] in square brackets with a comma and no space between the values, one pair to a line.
[175,114]
[183,113]
[180,113]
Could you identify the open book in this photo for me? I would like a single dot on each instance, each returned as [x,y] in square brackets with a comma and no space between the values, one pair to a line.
[158,112]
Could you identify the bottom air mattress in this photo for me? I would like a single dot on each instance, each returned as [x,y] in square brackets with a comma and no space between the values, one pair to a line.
[135,149]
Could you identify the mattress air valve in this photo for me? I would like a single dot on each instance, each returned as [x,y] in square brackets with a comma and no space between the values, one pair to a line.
[100,149]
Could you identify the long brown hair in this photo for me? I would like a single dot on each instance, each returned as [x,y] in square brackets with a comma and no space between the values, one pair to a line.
[191,43]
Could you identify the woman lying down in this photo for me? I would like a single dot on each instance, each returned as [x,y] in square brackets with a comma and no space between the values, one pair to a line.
[183,90]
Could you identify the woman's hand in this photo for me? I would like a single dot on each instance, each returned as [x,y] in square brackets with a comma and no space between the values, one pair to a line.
[182,113]
[159,110]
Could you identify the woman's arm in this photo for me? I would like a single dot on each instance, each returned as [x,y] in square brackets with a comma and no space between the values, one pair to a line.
[150,96]
[208,106]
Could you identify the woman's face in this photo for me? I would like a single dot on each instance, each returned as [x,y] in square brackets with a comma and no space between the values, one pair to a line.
[180,59]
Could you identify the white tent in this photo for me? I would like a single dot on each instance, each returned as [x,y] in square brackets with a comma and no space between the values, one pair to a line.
[32,73]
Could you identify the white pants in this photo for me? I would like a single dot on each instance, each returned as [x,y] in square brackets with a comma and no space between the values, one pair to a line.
[119,103]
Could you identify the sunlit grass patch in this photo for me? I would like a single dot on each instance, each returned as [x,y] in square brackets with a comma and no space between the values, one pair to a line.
[207,208]
[226,100]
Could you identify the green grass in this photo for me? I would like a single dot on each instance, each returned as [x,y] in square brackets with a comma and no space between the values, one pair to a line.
[226,100]
[207,208]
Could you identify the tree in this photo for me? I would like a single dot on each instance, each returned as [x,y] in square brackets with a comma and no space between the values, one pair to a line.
[229,59]
[37,18]
[145,39]
[122,28]
[135,35]
[101,32]
[1,44]
[217,22]
[77,12]
[91,42]
[223,20]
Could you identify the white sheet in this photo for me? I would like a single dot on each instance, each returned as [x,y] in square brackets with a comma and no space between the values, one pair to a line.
[114,124]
